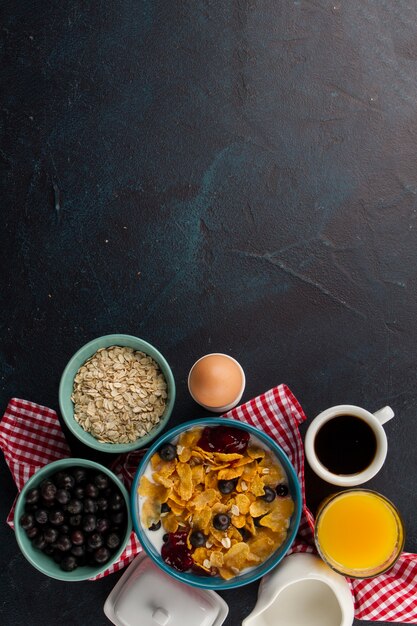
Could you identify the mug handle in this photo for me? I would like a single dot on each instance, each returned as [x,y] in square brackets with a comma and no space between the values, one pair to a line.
[384,415]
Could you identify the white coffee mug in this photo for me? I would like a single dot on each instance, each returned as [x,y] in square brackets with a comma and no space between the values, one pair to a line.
[374,420]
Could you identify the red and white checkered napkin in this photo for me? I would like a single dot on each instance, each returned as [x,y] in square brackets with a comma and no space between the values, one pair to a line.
[30,437]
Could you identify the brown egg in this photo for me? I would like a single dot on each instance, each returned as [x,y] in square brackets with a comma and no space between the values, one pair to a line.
[216,380]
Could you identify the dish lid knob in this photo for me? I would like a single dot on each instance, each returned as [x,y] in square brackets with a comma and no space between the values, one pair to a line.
[160,616]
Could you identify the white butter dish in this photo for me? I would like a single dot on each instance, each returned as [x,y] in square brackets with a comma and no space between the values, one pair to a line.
[146,596]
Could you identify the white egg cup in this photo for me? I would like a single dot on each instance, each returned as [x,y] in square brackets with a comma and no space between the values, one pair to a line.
[226,407]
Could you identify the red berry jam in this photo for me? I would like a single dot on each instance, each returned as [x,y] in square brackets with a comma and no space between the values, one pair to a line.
[224,439]
[176,553]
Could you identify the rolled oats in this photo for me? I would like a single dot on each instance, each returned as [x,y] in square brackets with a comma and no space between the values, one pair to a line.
[119,395]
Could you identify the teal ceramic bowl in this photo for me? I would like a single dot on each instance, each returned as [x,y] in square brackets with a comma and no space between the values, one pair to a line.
[45,563]
[252,574]
[67,381]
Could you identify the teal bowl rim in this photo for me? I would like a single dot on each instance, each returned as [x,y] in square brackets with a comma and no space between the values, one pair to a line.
[110,340]
[217,583]
[56,573]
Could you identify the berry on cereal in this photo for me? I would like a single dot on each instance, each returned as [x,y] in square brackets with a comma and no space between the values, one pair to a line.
[227,486]
[221,521]
[168,452]
[282,490]
[269,494]
[197,539]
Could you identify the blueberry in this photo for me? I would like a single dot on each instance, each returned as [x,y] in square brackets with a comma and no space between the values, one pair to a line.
[167,452]
[102,504]
[80,475]
[116,501]
[113,541]
[41,516]
[74,507]
[90,505]
[69,563]
[65,480]
[56,517]
[95,541]
[101,481]
[102,555]
[155,526]
[39,542]
[78,492]
[197,539]
[75,520]
[103,525]
[89,523]
[269,494]
[27,521]
[165,537]
[64,529]
[78,551]
[77,537]
[91,491]
[226,486]
[32,532]
[165,508]
[48,549]
[64,543]
[63,496]
[51,535]
[48,491]
[221,521]
[32,496]
[118,518]
[282,490]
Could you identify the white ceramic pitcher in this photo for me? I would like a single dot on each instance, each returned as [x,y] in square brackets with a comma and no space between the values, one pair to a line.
[302,591]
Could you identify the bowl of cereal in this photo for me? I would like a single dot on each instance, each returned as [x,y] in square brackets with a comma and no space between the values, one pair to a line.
[117,393]
[216,503]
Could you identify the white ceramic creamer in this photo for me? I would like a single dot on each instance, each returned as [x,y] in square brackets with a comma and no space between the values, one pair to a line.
[302,591]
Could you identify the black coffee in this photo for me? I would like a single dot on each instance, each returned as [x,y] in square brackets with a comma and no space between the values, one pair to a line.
[345,445]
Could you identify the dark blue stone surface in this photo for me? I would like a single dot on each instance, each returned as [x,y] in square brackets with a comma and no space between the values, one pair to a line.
[235,176]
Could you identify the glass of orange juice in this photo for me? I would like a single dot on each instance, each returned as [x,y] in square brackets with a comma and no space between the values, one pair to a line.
[359,533]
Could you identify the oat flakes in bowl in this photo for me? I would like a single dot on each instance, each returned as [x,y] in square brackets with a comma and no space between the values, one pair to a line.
[117,393]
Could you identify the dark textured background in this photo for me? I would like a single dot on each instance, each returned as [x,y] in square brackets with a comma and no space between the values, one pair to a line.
[236,176]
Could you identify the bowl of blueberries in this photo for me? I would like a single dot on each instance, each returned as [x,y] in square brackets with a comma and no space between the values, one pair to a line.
[72,519]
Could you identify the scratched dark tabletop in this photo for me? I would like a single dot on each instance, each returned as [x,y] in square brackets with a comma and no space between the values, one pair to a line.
[235,176]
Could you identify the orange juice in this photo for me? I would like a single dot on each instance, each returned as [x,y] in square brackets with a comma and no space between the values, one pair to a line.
[359,533]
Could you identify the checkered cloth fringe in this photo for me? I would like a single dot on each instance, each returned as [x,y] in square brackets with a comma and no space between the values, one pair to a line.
[30,437]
